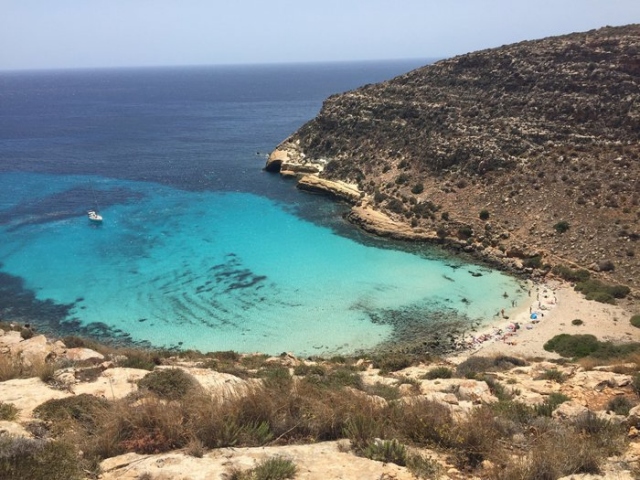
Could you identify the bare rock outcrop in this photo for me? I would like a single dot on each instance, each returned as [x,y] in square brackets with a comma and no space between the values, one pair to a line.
[335,189]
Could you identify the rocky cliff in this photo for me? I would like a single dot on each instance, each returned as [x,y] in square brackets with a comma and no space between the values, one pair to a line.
[529,150]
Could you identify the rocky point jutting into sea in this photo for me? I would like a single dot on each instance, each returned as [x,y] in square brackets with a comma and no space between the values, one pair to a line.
[527,154]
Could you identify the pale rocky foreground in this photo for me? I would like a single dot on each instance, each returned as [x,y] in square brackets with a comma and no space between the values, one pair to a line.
[588,390]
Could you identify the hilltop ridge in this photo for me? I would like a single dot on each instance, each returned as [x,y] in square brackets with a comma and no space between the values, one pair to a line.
[526,151]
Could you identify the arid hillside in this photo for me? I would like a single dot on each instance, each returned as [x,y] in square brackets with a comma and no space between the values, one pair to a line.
[530,150]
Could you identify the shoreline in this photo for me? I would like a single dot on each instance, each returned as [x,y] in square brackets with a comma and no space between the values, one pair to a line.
[554,300]
[555,305]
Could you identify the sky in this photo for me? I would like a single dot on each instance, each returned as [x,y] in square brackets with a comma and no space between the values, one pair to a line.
[54,34]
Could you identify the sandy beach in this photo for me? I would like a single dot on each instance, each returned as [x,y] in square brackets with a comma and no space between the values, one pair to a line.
[548,311]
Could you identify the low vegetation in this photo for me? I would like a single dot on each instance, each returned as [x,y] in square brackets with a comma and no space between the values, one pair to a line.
[23,458]
[275,468]
[580,346]
[323,400]
[591,288]
[170,384]
[8,411]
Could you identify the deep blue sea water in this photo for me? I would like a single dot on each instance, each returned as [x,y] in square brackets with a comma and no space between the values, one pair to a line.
[200,248]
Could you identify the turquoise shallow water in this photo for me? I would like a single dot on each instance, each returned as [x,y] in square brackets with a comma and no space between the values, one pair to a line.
[226,271]
[200,248]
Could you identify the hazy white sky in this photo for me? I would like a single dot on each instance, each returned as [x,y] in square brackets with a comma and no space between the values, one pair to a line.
[106,33]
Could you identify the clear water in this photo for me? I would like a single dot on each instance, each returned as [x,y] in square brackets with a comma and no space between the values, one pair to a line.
[200,248]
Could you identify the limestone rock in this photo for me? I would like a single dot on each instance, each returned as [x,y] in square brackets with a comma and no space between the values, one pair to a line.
[569,410]
[475,391]
[598,380]
[217,383]
[321,461]
[35,350]
[9,338]
[83,355]
[338,190]
[112,384]
[379,223]
[13,428]
[634,415]
[27,394]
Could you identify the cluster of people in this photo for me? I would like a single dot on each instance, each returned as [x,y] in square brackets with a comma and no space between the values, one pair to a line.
[498,334]
[545,300]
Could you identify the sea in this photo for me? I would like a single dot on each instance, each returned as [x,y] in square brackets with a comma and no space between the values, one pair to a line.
[199,247]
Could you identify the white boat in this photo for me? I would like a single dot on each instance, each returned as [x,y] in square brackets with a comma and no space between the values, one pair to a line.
[94,216]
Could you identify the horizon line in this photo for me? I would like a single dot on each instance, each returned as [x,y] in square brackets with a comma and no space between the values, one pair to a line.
[427,60]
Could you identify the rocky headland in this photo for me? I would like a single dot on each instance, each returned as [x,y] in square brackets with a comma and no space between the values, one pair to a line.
[527,155]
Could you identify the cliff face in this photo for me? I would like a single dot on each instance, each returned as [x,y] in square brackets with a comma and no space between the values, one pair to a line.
[533,134]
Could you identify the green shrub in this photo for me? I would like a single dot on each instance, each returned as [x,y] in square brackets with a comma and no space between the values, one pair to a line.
[336,379]
[379,197]
[23,458]
[465,232]
[275,376]
[577,322]
[80,410]
[574,346]
[395,205]
[607,350]
[142,359]
[254,361]
[361,430]
[601,292]
[635,321]
[546,408]
[422,422]
[392,362]
[475,365]
[417,189]
[495,387]
[387,451]
[553,375]
[618,291]
[402,178]
[303,369]
[475,438]
[170,383]
[607,436]
[276,468]
[559,453]
[561,226]
[570,274]
[516,412]
[423,467]
[601,297]
[438,372]
[619,406]
[388,392]
[226,355]
[484,215]
[8,411]
[532,262]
